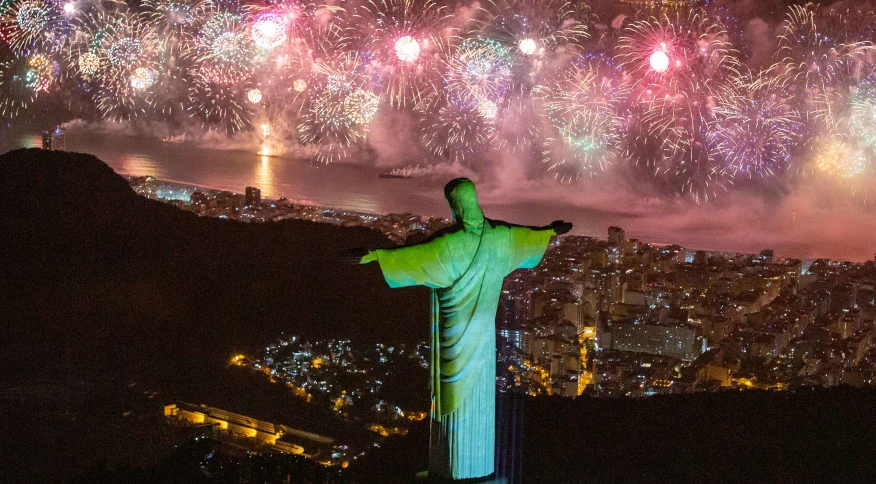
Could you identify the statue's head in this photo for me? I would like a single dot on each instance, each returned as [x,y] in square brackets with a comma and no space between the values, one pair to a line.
[463,200]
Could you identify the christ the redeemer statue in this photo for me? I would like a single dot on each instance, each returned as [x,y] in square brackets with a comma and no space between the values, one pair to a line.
[464,265]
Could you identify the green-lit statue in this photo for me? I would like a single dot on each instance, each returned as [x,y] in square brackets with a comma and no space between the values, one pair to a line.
[464,265]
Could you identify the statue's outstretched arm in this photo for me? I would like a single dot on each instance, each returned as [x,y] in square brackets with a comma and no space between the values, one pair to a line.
[559,227]
[361,255]
[422,264]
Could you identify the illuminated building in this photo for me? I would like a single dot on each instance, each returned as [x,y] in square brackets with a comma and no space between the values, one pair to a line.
[275,436]
[846,324]
[843,296]
[716,328]
[575,313]
[677,340]
[617,237]
[47,140]
[693,277]
[58,140]
[608,285]
[513,336]
[253,196]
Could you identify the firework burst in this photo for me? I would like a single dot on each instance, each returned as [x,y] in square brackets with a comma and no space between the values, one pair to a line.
[757,132]
[814,68]
[336,107]
[175,22]
[535,32]
[268,31]
[584,125]
[225,39]
[402,41]
[681,65]
[662,96]
[840,158]
[477,69]
[360,106]
[677,52]
[33,25]
[113,45]
[41,71]
[15,93]
[88,64]
[142,78]
[454,129]
[219,105]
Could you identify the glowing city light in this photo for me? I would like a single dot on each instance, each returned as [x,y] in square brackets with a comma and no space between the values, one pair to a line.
[407,49]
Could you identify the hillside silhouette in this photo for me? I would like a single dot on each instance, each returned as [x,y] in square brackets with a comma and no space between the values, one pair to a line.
[103,289]
[96,277]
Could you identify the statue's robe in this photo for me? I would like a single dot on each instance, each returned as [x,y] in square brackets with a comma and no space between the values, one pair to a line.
[464,266]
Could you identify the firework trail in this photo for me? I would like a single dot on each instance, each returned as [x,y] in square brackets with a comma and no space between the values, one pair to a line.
[217,99]
[175,22]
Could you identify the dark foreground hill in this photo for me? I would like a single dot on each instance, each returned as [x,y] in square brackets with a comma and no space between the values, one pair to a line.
[96,277]
[101,289]
[803,436]
[106,297]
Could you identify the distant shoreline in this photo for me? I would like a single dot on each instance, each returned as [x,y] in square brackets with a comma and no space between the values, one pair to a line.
[378,214]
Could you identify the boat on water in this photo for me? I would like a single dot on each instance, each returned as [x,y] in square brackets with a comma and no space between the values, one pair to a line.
[398,173]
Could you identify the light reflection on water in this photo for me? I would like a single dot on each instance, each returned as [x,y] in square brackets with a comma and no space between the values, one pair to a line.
[351,187]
